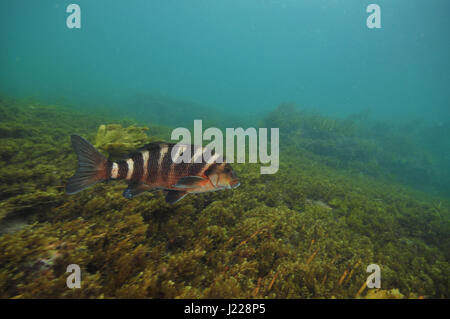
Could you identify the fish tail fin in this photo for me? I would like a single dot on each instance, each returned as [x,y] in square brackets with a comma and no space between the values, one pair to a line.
[91,166]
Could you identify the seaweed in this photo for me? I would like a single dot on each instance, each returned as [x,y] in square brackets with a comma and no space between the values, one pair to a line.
[308,231]
[115,140]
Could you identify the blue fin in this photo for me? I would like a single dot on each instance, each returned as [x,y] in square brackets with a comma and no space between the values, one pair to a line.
[174,196]
[189,182]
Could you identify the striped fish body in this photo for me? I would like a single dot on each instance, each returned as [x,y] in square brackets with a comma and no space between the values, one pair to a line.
[154,166]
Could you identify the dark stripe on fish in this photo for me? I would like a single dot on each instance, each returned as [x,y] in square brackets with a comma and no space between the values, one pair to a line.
[181,169]
[123,169]
[152,167]
[195,168]
[167,162]
[108,169]
[138,166]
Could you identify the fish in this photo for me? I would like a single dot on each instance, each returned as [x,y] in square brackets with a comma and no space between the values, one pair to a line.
[152,168]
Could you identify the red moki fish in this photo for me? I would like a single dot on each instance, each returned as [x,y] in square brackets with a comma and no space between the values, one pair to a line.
[152,167]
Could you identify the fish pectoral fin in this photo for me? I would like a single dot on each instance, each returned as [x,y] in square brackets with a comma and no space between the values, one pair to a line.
[189,182]
[173,196]
[135,189]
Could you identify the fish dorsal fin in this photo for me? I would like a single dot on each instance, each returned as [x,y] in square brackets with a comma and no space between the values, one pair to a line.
[173,196]
[189,182]
[135,189]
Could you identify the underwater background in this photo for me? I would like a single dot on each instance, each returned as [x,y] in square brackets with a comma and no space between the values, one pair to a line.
[364,125]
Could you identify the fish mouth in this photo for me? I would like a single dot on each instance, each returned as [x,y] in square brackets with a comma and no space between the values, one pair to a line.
[235,184]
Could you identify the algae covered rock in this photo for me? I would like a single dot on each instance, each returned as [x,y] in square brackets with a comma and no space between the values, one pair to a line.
[117,140]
